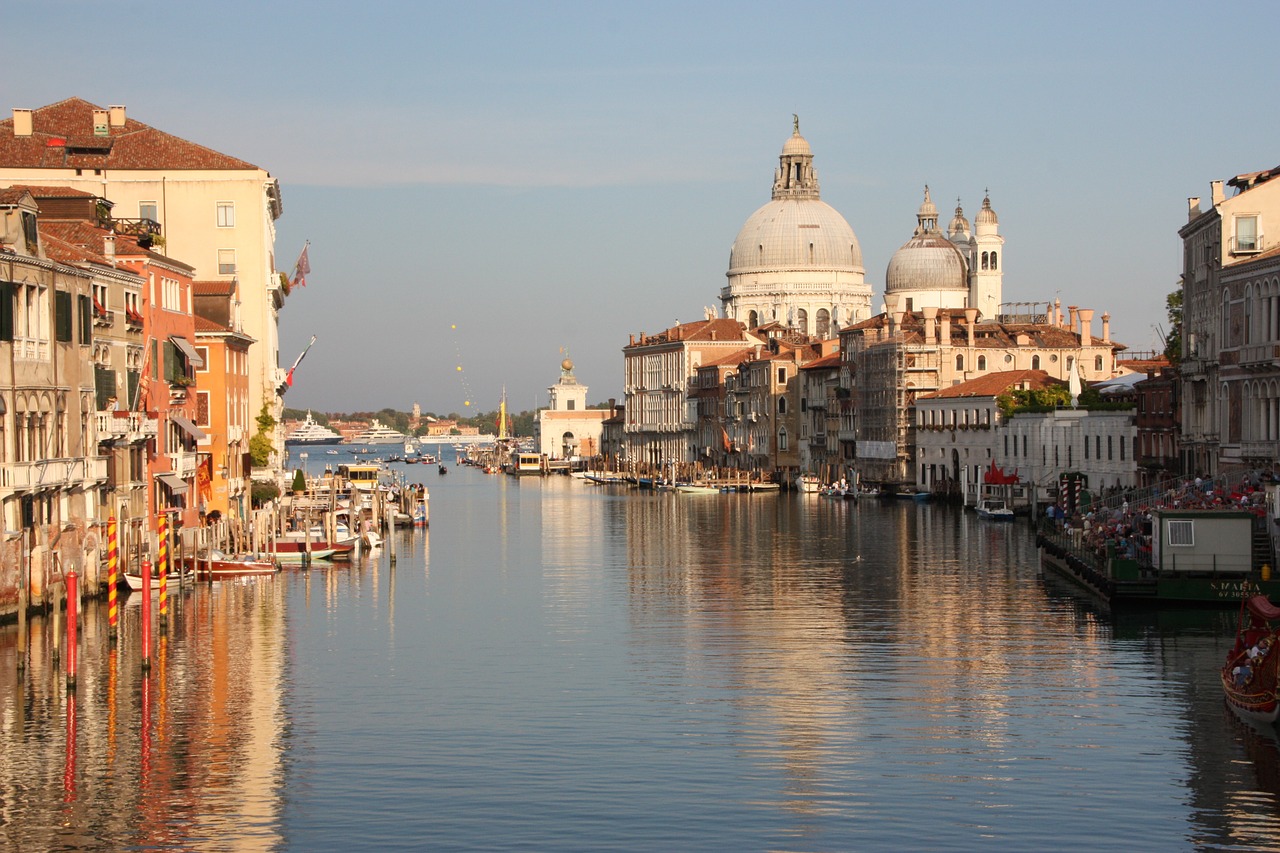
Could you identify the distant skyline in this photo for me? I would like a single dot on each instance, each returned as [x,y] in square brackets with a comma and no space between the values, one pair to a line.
[485,186]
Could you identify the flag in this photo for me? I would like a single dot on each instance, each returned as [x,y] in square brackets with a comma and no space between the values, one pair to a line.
[301,268]
[204,479]
[725,433]
[288,378]
[139,402]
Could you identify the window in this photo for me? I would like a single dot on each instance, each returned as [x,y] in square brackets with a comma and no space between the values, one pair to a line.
[782,376]
[569,404]
[982,362]
[1247,233]
[1182,533]
[226,262]
[1122,448]
[959,363]
[203,352]
[62,315]
[202,408]
[1097,363]
[1035,362]
[986,260]
[993,260]
[7,298]
[782,405]
[782,440]
[226,214]
[86,318]
[1108,448]
[148,210]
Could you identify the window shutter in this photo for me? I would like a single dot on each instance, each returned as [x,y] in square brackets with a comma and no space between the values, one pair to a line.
[86,320]
[7,297]
[62,315]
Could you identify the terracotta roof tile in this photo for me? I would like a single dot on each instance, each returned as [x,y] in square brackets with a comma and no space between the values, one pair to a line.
[995,384]
[53,192]
[203,324]
[62,137]
[826,361]
[214,288]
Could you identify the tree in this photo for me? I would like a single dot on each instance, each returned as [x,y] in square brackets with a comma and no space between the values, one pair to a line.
[260,446]
[1173,341]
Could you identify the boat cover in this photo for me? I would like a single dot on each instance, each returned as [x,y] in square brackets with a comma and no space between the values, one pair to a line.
[1260,607]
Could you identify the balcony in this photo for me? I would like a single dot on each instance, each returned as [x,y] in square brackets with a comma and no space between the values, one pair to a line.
[52,473]
[125,426]
[1259,356]
[183,465]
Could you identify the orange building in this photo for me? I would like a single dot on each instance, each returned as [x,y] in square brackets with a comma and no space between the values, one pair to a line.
[222,399]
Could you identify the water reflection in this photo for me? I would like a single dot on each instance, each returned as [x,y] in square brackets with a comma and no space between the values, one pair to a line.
[583,667]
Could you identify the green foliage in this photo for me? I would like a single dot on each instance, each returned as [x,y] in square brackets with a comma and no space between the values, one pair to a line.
[1055,397]
[260,448]
[298,414]
[1173,341]
[299,480]
[261,493]
[265,422]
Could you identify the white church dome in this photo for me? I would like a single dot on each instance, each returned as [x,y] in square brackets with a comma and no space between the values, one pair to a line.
[928,261]
[793,233]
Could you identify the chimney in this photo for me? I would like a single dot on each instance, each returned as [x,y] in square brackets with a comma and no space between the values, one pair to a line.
[1056,319]
[22,122]
[100,126]
[944,330]
[1086,327]
[109,246]
[116,113]
[930,323]
[1216,188]
[895,323]
[1106,327]
[1193,208]
[1071,324]
[970,317]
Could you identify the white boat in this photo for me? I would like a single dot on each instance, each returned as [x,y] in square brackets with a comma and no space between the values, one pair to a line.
[695,489]
[311,432]
[808,483]
[994,509]
[378,433]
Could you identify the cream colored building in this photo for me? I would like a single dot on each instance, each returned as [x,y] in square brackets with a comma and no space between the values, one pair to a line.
[1231,326]
[216,212]
[796,261]
[567,428]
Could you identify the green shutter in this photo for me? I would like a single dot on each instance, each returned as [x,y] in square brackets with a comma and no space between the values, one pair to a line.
[131,381]
[105,384]
[86,319]
[62,315]
[8,296]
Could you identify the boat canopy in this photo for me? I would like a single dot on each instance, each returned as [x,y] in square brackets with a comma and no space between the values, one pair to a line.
[1261,608]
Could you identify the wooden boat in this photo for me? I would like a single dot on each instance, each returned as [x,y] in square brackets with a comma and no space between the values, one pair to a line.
[1250,670]
[696,489]
[220,566]
[134,582]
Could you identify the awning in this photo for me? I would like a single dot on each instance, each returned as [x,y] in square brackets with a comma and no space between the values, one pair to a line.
[188,427]
[188,350]
[176,484]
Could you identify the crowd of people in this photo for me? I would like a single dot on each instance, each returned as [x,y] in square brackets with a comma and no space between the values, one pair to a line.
[1121,525]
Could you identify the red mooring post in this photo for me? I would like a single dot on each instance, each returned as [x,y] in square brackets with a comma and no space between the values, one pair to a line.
[146,614]
[73,612]
[113,562]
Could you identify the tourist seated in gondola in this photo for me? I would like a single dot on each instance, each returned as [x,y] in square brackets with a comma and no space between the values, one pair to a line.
[1242,674]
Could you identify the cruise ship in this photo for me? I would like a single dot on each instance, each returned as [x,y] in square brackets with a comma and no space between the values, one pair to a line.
[311,432]
[376,433]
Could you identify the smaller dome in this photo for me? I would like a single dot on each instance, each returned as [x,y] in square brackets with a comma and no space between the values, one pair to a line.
[986,216]
[927,209]
[926,262]
[958,223]
[796,145]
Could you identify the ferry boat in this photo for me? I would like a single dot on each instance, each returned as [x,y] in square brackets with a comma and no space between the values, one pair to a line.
[378,433]
[311,432]
[525,464]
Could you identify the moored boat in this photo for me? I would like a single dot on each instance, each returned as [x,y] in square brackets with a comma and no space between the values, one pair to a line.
[696,489]
[808,484]
[134,582]
[1250,669]
[310,432]
[221,566]
[994,509]
[378,433]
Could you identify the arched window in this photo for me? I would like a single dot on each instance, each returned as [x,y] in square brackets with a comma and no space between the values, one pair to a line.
[1035,362]
[802,321]
[782,439]
[824,323]
[986,260]
[959,363]
[782,405]
[982,362]
[1070,361]
[753,319]
[1097,363]
[993,260]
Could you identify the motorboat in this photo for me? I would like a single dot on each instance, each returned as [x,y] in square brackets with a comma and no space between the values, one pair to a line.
[310,432]
[809,484]
[378,433]
[1250,669]
[994,509]
[218,565]
[696,489]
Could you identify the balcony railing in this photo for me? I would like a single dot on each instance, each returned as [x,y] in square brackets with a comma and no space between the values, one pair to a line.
[131,426]
[183,465]
[53,473]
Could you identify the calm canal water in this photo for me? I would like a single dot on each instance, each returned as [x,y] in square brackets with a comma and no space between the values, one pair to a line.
[558,666]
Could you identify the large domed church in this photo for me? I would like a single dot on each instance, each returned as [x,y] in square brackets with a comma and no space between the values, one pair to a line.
[796,261]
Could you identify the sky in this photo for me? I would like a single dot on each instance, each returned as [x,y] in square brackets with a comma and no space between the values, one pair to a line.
[487,187]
